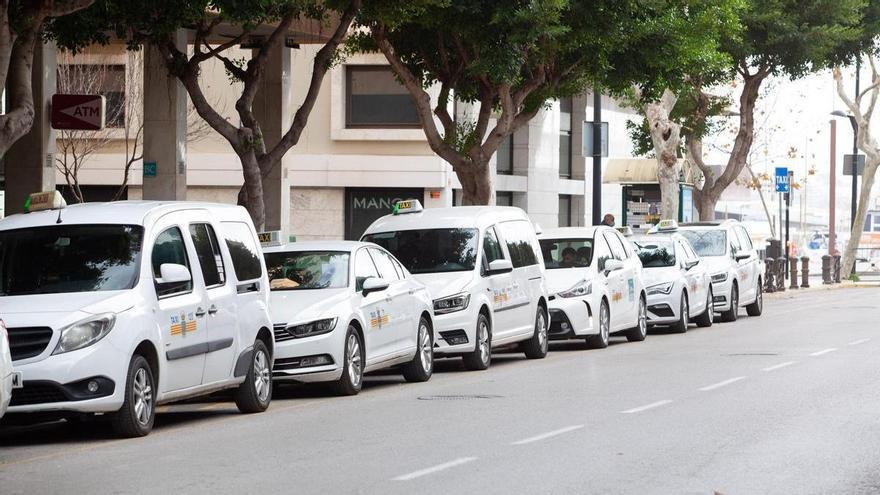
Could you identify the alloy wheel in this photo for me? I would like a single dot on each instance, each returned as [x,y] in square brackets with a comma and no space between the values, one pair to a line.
[262,379]
[604,323]
[643,317]
[426,353]
[143,397]
[685,310]
[483,342]
[353,352]
[542,331]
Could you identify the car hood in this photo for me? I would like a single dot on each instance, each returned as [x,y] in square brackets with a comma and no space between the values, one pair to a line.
[445,284]
[716,264]
[299,306]
[659,275]
[59,310]
[561,279]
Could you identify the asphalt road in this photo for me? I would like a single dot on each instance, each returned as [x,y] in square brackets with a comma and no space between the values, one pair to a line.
[784,403]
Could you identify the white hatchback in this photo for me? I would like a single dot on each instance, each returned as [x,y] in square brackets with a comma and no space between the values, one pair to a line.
[341,309]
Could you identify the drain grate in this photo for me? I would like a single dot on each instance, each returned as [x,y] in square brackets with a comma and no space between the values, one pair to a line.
[459,397]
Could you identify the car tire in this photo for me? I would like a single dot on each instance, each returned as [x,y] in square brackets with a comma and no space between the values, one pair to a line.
[681,326]
[639,332]
[538,345]
[255,393]
[757,307]
[138,412]
[422,365]
[352,378]
[733,313]
[481,357]
[600,341]
[705,318]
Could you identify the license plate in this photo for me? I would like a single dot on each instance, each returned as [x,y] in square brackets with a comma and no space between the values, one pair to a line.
[16,379]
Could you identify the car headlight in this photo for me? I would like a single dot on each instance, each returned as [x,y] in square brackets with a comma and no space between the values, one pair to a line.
[664,288]
[311,328]
[582,288]
[451,304]
[84,333]
[719,277]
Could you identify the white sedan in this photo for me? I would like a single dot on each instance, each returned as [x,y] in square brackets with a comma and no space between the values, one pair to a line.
[7,378]
[341,309]
[677,282]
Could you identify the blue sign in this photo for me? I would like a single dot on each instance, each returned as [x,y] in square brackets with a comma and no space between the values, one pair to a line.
[149,169]
[782,185]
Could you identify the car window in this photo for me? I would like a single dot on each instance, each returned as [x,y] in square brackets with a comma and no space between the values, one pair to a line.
[170,248]
[302,270]
[491,247]
[603,252]
[363,269]
[712,242]
[242,250]
[735,246]
[567,253]
[208,251]
[617,248]
[401,271]
[688,252]
[385,266]
[655,253]
[430,250]
[518,235]
[744,239]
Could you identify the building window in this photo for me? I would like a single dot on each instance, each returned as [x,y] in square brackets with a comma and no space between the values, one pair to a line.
[105,80]
[375,99]
[504,198]
[504,157]
[565,210]
[565,137]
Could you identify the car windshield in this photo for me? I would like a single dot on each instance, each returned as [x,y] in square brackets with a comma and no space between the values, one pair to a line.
[431,250]
[567,253]
[69,258]
[707,242]
[296,270]
[655,253]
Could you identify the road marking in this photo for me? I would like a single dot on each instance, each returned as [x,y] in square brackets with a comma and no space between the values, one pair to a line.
[548,435]
[437,468]
[780,365]
[646,407]
[824,351]
[721,384]
[857,342]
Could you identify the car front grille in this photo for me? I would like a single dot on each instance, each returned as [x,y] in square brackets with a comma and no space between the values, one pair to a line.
[37,393]
[27,342]
[662,310]
[281,334]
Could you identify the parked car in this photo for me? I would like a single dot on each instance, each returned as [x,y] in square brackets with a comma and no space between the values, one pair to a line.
[8,380]
[482,266]
[341,309]
[119,307]
[734,264]
[595,281]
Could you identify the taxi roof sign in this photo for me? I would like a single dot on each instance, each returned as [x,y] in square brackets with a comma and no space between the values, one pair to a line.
[625,231]
[46,200]
[270,238]
[407,206]
[667,225]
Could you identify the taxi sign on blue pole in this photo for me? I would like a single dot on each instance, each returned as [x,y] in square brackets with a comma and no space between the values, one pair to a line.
[782,185]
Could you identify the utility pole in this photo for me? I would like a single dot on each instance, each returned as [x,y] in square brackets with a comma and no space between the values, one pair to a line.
[832,196]
[855,171]
[597,157]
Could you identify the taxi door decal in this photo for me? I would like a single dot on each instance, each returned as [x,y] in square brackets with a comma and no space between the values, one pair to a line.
[183,324]
[500,297]
[631,288]
[379,318]
[616,296]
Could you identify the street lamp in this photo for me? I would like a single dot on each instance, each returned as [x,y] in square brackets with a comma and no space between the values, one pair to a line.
[855,164]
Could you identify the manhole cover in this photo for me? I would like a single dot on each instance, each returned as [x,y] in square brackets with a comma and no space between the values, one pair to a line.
[458,397]
[753,354]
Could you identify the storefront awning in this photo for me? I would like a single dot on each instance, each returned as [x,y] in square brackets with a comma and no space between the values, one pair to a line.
[642,171]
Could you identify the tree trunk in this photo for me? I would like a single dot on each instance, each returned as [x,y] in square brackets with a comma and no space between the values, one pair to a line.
[251,194]
[477,187]
[706,207]
[668,172]
[666,137]
[855,235]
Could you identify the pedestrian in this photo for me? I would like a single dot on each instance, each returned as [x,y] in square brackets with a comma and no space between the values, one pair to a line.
[608,220]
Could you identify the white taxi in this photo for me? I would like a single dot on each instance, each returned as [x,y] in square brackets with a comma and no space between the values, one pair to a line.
[7,378]
[678,285]
[115,308]
[483,269]
[341,309]
[594,278]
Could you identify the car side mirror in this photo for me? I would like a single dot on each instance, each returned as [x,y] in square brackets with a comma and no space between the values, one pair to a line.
[374,284]
[741,256]
[690,264]
[499,266]
[172,273]
[613,265]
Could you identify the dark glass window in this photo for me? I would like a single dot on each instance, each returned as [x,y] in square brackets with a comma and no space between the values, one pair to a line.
[518,235]
[242,250]
[565,105]
[567,253]
[431,250]
[169,248]
[655,253]
[564,210]
[375,98]
[208,251]
[307,270]
[491,247]
[105,80]
[504,198]
[504,157]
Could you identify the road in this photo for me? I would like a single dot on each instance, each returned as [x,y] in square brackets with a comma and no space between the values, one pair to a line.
[784,403]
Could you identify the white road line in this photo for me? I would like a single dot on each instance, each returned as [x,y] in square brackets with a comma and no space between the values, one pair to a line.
[857,342]
[549,434]
[721,384]
[824,351]
[646,407]
[780,365]
[437,468]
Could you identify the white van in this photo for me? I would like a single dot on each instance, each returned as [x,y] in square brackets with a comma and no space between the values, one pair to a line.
[482,266]
[119,307]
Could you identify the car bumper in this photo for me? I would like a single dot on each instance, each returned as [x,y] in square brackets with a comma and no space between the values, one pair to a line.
[454,333]
[663,309]
[5,394]
[721,295]
[290,356]
[570,317]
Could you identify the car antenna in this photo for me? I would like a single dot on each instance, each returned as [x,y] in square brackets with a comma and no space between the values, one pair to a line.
[59,215]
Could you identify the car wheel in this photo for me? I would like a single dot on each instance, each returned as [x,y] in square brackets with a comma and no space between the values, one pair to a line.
[422,365]
[732,313]
[481,357]
[255,394]
[600,341]
[537,346]
[681,326]
[352,378]
[757,307]
[705,319]
[640,331]
[138,412]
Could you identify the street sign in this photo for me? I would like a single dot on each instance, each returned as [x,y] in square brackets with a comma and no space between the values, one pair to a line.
[782,184]
[78,112]
[149,169]
[587,145]
[848,164]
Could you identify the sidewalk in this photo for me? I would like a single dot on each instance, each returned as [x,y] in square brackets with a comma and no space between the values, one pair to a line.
[816,285]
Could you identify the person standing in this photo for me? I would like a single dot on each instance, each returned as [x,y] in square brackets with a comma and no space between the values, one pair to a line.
[608,220]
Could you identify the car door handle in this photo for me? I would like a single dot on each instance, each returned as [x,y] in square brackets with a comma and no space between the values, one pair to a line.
[213,310]
[200,312]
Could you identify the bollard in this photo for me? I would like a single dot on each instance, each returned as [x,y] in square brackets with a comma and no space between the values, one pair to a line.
[826,269]
[836,268]
[769,269]
[805,272]
[780,274]
[792,269]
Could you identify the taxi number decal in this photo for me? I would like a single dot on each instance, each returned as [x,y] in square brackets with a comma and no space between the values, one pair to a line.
[183,324]
[501,296]
[379,318]
[631,288]
[617,296]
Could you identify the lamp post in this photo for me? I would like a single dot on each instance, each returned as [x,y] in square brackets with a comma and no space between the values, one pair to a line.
[855,164]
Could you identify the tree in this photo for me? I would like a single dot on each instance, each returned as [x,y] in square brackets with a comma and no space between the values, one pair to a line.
[510,58]
[153,22]
[868,144]
[21,25]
